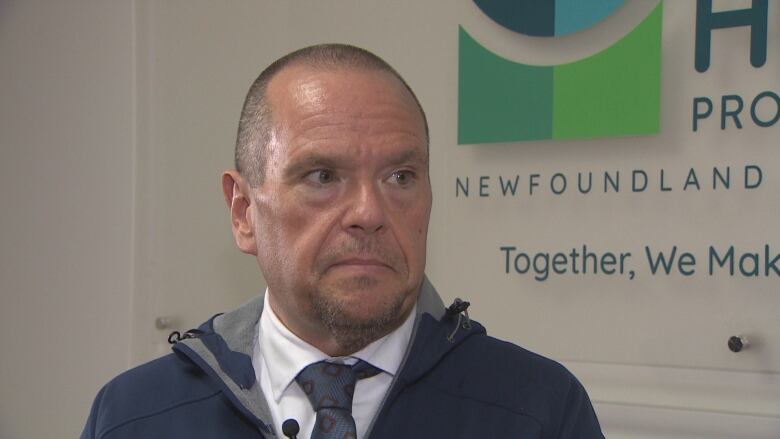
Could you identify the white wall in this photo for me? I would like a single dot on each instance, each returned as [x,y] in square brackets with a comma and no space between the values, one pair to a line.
[66,226]
[649,351]
[116,119]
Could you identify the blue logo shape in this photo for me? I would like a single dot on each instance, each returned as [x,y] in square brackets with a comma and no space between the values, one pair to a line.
[548,18]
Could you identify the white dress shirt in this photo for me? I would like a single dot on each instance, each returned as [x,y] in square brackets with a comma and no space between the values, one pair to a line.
[279,355]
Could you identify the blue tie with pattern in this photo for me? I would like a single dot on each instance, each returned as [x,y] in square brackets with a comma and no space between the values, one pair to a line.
[329,387]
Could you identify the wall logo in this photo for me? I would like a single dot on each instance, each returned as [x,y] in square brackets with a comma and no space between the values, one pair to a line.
[615,92]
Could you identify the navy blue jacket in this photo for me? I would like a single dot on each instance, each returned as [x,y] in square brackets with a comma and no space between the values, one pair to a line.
[455,382]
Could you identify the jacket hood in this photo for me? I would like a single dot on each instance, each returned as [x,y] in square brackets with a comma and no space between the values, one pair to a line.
[223,348]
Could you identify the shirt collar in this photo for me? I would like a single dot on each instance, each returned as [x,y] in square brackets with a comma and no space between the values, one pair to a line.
[285,354]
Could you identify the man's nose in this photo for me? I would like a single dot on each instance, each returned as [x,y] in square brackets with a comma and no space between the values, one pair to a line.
[365,210]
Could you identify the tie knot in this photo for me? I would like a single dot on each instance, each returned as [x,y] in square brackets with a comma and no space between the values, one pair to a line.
[332,385]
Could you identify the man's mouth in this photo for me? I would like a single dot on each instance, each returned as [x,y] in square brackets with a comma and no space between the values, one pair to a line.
[365,264]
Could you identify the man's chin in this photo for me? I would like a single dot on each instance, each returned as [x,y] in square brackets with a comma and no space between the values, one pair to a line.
[361,310]
[371,313]
[366,304]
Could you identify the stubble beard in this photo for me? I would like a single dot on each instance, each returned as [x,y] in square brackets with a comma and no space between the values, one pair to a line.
[352,333]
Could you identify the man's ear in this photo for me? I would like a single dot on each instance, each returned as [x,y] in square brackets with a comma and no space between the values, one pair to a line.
[239,202]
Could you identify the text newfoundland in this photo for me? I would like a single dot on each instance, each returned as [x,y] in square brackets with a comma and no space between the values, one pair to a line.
[716,178]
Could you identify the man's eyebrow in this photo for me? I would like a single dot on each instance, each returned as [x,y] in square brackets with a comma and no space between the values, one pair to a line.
[310,161]
[315,159]
[411,155]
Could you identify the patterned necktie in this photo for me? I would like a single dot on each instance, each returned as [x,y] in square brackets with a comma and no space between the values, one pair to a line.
[329,387]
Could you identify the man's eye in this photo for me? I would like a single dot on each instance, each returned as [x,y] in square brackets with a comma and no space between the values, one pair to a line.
[403,178]
[321,176]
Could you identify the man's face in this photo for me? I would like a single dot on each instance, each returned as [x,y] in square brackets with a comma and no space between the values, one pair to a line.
[342,213]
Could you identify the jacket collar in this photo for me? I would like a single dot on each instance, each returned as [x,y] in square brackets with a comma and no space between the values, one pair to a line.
[224,349]
[437,331]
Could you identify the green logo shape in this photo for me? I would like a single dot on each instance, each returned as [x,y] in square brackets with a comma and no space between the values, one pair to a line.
[615,92]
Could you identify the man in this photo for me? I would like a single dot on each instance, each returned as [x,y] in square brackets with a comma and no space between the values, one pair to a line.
[331,194]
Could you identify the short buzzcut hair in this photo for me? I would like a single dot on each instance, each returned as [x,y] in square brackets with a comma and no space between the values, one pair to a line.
[256,122]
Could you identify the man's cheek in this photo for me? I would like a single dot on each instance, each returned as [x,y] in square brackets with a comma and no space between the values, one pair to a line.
[312,250]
